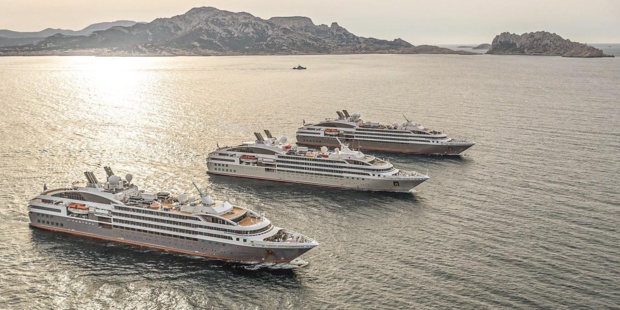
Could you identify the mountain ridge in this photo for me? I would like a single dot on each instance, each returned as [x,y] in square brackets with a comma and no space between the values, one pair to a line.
[15,38]
[209,31]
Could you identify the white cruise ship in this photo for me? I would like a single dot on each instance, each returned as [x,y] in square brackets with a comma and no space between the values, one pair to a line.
[275,160]
[408,137]
[118,211]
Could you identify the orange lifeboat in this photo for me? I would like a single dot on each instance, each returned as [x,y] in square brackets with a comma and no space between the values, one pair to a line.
[332,132]
[154,206]
[249,158]
[78,208]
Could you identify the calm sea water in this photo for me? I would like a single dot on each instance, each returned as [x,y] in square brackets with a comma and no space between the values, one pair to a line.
[527,218]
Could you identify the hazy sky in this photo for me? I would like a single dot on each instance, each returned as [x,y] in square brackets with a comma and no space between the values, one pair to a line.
[416,21]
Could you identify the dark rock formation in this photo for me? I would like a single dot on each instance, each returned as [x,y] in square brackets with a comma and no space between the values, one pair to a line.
[209,31]
[483,46]
[541,43]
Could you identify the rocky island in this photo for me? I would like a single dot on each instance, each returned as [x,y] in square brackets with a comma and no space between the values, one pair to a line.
[208,31]
[483,46]
[541,43]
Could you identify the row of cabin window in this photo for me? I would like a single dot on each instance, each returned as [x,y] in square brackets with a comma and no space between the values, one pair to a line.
[183,231]
[223,159]
[225,170]
[322,170]
[51,223]
[386,139]
[192,225]
[158,213]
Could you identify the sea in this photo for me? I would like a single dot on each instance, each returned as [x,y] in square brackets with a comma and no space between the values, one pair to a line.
[528,218]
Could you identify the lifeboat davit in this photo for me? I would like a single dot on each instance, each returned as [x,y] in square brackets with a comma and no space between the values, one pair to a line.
[332,132]
[249,158]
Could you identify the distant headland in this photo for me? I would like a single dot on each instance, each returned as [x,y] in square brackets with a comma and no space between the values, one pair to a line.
[541,43]
[206,31]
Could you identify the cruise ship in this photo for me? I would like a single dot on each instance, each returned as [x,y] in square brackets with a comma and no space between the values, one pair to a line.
[276,160]
[118,211]
[407,137]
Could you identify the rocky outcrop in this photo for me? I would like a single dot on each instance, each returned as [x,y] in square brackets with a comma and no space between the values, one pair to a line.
[209,31]
[541,43]
[483,46]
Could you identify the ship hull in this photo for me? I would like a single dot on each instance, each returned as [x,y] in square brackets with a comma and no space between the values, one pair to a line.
[353,183]
[451,148]
[191,246]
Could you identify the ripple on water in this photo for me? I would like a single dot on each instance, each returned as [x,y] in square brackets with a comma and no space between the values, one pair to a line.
[524,219]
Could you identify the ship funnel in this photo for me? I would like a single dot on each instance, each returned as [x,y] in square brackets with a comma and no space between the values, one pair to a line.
[108,171]
[259,137]
[268,134]
[346,113]
[90,177]
[340,115]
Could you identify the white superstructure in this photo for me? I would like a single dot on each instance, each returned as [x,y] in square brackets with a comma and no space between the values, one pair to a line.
[118,211]
[276,160]
[407,137]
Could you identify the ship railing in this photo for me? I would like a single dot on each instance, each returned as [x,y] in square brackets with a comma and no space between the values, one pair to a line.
[406,173]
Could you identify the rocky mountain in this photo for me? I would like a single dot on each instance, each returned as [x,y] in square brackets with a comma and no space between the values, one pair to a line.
[209,31]
[14,38]
[541,43]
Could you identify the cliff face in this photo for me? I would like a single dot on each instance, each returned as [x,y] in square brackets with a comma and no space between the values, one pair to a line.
[209,31]
[541,43]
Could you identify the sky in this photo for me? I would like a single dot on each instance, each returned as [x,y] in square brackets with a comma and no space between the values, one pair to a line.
[416,21]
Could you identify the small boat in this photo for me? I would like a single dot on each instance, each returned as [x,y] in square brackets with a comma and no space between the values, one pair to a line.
[249,159]
[299,67]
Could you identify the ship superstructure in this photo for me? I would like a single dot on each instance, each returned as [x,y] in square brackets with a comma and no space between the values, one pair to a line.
[407,137]
[118,210]
[276,160]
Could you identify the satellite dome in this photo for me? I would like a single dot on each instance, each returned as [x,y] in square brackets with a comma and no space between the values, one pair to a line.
[182,198]
[114,179]
[283,139]
[324,149]
[336,150]
[355,115]
[129,177]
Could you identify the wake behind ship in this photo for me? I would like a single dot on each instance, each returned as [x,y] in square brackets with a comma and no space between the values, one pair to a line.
[409,137]
[275,160]
[118,211]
